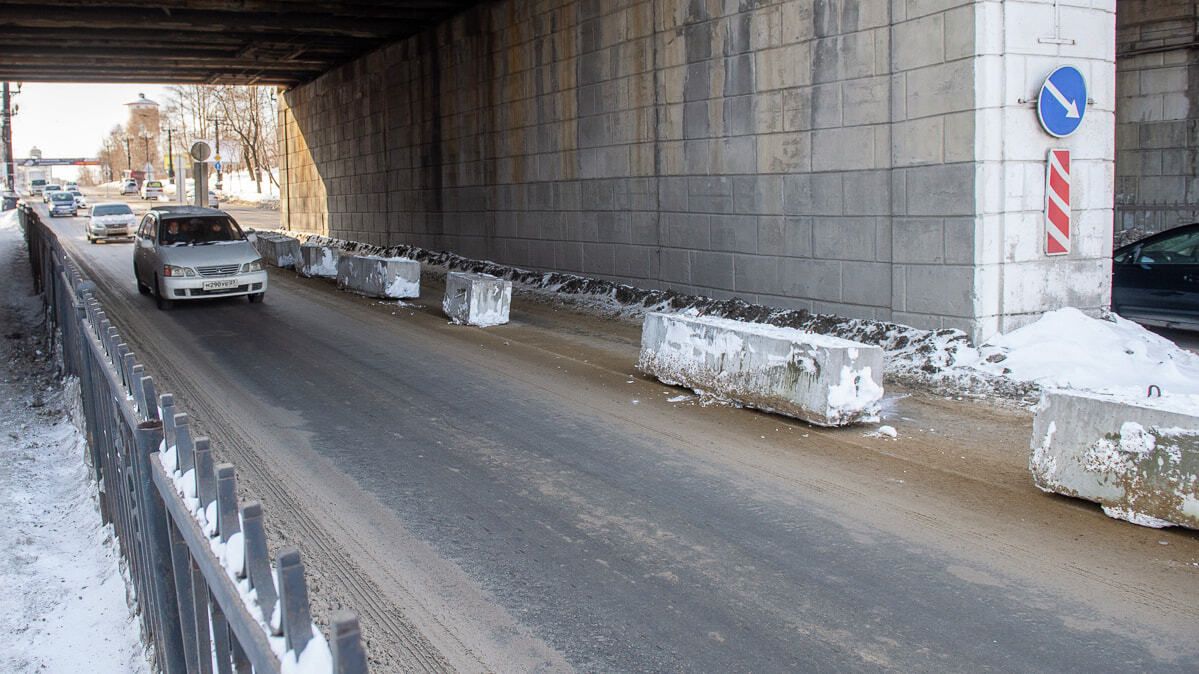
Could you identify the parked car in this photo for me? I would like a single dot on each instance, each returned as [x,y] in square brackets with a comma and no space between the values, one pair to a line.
[129,187]
[1155,281]
[152,189]
[110,220]
[187,252]
[70,185]
[80,200]
[51,187]
[62,203]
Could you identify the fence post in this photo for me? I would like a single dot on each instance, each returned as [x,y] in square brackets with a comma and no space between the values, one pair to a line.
[293,593]
[167,402]
[184,450]
[349,657]
[258,560]
[226,503]
[205,479]
[181,563]
[153,521]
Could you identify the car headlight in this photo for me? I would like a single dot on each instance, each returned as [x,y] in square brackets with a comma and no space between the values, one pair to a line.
[256,265]
[172,270]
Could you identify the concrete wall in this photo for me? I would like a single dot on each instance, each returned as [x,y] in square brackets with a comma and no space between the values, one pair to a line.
[1157,142]
[834,155]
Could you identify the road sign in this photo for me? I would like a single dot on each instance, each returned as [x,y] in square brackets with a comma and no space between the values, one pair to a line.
[216,166]
[1057,203]
[1063,101]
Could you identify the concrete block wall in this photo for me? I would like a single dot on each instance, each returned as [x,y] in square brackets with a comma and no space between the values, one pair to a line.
[1157,139]
[822,154]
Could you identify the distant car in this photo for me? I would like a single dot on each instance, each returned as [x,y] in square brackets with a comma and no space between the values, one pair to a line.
[1155,281]
[187,252]
[110,220]
[51,187]
[70,186]
[129,187]
[62,203]
[80,200]
[152,189]
[213,200]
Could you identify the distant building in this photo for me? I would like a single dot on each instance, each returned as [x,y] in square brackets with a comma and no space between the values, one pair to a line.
[142,131]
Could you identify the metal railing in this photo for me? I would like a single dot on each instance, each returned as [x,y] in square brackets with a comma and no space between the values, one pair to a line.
[207,594]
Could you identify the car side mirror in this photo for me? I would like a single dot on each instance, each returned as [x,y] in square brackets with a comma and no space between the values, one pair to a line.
[252,238]
[145,243]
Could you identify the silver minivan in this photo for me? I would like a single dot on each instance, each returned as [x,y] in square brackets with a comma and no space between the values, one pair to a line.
[187,252]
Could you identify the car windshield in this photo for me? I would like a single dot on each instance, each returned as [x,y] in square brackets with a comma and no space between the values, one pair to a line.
[112,209]
[199,231]
[62,196]
[76,193]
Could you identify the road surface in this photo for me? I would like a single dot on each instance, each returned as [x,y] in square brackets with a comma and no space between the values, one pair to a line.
[521,498]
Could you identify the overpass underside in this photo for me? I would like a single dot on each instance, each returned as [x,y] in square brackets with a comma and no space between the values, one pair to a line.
[868,158]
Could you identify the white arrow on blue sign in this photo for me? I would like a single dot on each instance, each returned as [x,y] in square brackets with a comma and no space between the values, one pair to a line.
[216,166]
[1063,101]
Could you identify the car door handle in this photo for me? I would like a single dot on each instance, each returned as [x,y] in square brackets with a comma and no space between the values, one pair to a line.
[1190,278]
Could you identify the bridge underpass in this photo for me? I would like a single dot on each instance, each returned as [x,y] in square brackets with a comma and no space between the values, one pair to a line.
[496,500]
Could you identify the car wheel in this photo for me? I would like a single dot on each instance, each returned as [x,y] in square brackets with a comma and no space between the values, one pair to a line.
[163,303]
[256,297]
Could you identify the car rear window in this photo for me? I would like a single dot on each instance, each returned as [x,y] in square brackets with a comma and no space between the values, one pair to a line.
[153,183]
[112,209]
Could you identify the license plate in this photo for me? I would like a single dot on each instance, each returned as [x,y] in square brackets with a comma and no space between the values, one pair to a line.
[220,285]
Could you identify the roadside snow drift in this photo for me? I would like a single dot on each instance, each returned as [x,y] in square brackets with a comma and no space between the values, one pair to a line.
[823,380]
[1140,461]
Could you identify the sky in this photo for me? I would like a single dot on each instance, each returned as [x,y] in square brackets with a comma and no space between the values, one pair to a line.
[71,120]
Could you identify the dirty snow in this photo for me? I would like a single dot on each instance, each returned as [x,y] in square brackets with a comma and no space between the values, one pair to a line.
[65,606]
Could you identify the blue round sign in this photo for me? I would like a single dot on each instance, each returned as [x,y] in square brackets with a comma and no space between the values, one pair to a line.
[1063,101]
[217,166]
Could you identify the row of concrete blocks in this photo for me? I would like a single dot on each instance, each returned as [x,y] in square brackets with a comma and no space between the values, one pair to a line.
[470,299]
[1139,462]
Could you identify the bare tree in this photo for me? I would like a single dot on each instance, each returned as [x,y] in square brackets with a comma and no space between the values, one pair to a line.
[113,156]
[247,120]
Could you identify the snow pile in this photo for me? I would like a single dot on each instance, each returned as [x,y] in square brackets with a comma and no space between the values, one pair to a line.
[66,605]
[1067,349]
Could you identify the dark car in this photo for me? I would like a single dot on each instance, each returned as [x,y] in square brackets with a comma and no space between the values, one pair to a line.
[1155,281]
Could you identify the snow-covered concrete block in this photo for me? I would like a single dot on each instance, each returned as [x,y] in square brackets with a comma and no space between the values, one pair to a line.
[476,299]
[392,277]
[827,381]
[277,249]
[317,260]
[1137,459]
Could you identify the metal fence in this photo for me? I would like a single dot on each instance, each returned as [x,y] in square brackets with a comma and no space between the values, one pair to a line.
[207,594]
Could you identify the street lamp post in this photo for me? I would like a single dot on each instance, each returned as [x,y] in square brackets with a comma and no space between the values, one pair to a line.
[217,153]
[6,137]
[128,156]
[170,158]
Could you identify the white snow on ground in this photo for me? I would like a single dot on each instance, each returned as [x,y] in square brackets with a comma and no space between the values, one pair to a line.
[64,607]
[238,186]
[1114,356]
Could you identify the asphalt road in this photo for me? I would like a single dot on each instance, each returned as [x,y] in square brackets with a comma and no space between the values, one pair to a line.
[520,498]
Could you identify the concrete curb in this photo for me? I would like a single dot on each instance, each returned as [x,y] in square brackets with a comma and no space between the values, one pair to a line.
[823,380]
[1139,462]
[476,299]
[390,277]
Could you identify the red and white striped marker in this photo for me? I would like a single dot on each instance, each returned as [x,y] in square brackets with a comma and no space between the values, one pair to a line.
[1057,203]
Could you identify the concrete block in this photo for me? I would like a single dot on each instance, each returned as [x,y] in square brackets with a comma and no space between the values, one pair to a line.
[823,380]
[1138,460]
[476,299]
[391,277]
[277,249]
[318,260]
